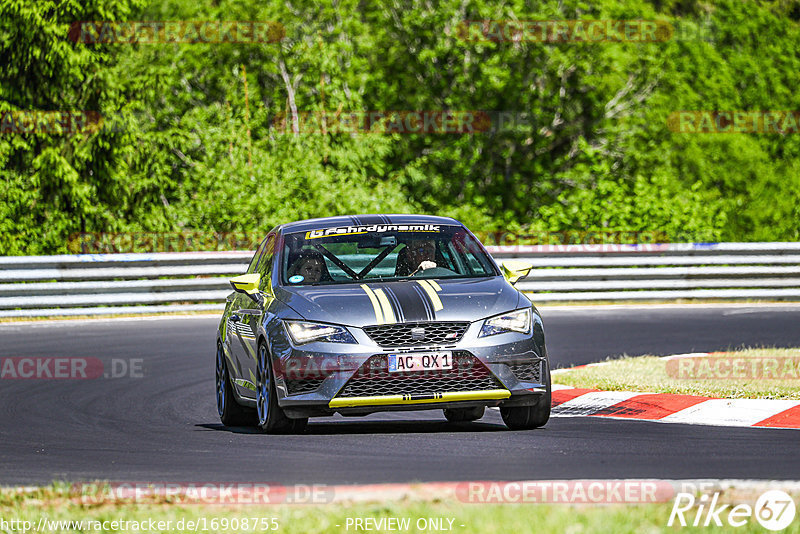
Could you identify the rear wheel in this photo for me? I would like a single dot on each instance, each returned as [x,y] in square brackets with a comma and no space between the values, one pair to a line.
[528,417]
[462,415]
[231,413]
[271,418]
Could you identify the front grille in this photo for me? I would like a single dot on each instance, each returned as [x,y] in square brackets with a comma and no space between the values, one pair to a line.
[373,378]
[400,335]
[303,385]
[527,371]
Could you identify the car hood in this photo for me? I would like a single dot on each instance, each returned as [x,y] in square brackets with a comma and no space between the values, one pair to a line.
[402,301]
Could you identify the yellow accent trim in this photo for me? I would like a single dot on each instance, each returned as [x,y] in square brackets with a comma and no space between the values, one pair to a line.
[513,270]
[375,304]
[246,283]
[388,314]
[434,284]
[309,236]
[384,400]
[437,303]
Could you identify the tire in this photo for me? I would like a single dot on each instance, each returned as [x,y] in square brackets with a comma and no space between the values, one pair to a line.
[529,417]
[231,413]
[271,418]
[464,415]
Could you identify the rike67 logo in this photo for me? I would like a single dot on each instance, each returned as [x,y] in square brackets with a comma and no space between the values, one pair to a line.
[774,510]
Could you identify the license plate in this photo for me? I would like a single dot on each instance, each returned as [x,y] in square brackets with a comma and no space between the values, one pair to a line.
[420,361]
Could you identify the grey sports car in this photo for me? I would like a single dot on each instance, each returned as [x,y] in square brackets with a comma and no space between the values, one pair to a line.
[367,313]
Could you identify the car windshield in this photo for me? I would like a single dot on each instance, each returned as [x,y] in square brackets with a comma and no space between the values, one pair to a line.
[384,252]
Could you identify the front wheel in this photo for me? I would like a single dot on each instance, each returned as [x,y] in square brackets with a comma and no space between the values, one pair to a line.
[529,417]
[231,413]
[271,418]
[464,415]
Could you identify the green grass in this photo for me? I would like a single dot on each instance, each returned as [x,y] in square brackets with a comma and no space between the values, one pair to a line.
[654,374]
[57,503]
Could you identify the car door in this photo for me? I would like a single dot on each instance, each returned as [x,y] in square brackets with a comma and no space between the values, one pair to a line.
[240,332]
[248,315]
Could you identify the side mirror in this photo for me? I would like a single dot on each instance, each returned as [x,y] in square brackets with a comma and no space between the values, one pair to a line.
[513,270]
[247,284]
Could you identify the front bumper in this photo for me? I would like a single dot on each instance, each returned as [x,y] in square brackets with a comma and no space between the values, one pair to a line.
[326,378]
[422,398]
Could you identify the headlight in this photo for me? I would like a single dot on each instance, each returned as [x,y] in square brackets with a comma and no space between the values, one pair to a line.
[303,332]
[516,321]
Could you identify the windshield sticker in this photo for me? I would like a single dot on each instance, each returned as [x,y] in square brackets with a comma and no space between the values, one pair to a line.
[373,228]
[296,279]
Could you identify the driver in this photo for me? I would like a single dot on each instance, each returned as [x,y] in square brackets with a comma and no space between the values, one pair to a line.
[421,255]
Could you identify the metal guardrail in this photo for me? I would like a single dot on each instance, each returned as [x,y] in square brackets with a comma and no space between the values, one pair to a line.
[736,271]
[95,284]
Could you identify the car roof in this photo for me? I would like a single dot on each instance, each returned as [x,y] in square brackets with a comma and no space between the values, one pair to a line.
[364,220]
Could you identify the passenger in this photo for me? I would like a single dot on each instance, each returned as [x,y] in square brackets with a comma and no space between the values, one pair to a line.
[310,265]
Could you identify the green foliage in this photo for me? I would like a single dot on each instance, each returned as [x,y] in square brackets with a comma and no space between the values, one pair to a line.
[191,139]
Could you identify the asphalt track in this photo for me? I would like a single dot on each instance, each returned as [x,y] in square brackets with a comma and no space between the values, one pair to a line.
[163,426]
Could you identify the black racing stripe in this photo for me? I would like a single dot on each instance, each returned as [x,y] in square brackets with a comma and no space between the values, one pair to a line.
[396,308]
[426,300]
[412,304]
[367,220]
[355,220]
[386,220]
